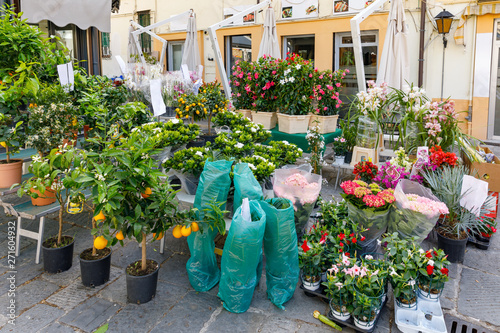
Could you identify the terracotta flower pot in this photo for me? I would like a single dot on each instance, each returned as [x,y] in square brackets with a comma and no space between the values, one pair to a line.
[45,199]
[10,173]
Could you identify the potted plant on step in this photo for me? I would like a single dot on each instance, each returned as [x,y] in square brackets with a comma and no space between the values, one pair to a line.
[11,170]
[55,176]
[454,228]
[339,287]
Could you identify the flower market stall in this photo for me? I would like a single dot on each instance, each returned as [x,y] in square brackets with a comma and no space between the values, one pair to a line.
[213,170]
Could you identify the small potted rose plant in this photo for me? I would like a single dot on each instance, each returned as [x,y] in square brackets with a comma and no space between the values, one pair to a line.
[433,273]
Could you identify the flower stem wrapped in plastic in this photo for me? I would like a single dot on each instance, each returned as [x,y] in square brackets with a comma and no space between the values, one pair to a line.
[418,208]
[301,188]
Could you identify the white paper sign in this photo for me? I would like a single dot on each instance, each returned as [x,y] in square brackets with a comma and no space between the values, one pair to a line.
[66,76]
[474,193]
[200,70]
[156,99]
[122,65]
[197,85]
[185,72]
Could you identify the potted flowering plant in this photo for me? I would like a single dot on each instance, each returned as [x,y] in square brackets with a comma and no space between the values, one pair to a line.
[11,170]
[316,146]
[389,175]
[261,167]
[242,100]
[365,171]
[369,206]
[369,290]
[433,273]
[484,234]
[188,165]
[326,90]
[310,255]
[349,127]
[340,149]
[339,287]
[296,80]
[404,258]
[215,102]
[55,176]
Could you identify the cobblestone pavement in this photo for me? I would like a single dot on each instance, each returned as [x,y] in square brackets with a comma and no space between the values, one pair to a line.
[59,303]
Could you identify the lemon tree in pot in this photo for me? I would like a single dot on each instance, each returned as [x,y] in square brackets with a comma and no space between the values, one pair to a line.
[54,178]
[11,170]
[128,191]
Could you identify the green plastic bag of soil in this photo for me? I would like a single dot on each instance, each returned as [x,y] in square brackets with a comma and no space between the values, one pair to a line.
[242,257]
[280,248]
[245,185]
[202,268]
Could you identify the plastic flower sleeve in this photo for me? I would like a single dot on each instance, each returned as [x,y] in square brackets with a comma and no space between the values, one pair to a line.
[245,185]
[411,223]
[202,268]
[302,188]
[374,221]
[280,248]
[241,258]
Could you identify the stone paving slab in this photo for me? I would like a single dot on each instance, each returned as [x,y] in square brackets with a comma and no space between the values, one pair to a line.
[174,271]
[115,291]
[250,321]
[189,314]
[75,293]
[146,316]
[91,314]
[479,295]
[58,328]
[34,319]
[475,258]
[30,294]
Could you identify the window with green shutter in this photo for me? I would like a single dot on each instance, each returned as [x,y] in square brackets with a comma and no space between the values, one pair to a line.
[105,43]
[144,19]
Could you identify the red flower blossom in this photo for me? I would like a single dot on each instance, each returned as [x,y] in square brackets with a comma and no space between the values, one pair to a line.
[341,236]
[305,247]
[430,269]
[341,244]
[444,271]
[323,239]
[354,240]
[347,254]
[428,254]
[363,238]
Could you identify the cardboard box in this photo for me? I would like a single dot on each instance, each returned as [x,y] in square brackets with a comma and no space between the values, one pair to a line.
[489,172]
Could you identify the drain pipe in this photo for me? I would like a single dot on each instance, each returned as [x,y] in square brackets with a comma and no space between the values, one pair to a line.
[472,68]
[423,9]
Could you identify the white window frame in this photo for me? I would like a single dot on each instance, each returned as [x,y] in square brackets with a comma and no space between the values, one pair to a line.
[228,50]
[339,44]
[170,53]
[285,43]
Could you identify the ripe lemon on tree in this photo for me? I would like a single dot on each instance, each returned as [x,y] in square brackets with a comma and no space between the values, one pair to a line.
[177,231]
[185,231]
[3,144]
[160,235]
[195,227]
[100,242]
[147,193]
[100,216]
[119,235]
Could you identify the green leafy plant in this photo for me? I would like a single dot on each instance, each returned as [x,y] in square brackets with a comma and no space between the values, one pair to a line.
[172,133]
[10,137]
[349,126]
[54,176]
[191,160]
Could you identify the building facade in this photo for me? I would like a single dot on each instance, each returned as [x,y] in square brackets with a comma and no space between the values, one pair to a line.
[320,30]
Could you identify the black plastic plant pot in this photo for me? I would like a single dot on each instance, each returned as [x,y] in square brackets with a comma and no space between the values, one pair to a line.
[454,248]
[209,138]
[348,157]
[142,289]
[56,260]
[95,272]
[199,142]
